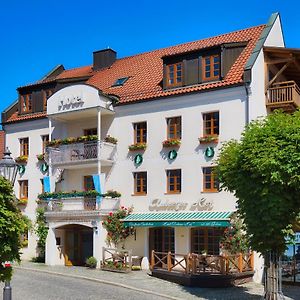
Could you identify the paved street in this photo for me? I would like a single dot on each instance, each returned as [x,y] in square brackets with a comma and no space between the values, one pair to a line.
[38,281]
[31,285]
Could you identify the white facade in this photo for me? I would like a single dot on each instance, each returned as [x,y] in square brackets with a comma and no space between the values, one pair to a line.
[75,108]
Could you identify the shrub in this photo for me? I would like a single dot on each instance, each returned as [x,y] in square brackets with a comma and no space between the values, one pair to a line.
[91,262]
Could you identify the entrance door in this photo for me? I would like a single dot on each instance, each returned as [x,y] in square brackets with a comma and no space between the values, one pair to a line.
[78,246]
[161,239]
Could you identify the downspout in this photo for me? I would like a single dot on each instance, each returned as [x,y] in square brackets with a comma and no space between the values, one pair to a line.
[247,104]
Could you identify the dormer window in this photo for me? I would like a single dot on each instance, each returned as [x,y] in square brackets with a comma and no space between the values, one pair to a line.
[26,103]
[174,74]
[211,67]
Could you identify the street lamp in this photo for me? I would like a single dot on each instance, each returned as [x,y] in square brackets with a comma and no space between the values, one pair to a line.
[8,170]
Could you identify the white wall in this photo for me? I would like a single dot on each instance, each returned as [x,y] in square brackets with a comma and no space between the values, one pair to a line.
[33,130]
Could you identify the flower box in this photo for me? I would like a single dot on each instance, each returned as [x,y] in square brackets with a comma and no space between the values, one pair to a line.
[22,201]
[171,143]
[137,146]
[22,159]
[41,157]
[209,139]
[110,139]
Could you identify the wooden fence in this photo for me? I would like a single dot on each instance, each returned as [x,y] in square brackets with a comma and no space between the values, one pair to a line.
[192,263]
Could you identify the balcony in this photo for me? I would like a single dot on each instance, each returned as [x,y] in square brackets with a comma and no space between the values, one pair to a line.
[76,154]
[79,207]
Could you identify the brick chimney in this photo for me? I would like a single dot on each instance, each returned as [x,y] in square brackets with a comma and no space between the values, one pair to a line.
[103,58]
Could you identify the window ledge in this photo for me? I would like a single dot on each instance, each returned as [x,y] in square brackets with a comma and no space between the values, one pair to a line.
[135,195]
[172,193]
[209,192]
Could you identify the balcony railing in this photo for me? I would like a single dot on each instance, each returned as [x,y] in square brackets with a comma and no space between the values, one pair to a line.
[283,94]
[81,152]
[77,205]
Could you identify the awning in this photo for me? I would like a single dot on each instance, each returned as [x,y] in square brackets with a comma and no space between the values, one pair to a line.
[172,219]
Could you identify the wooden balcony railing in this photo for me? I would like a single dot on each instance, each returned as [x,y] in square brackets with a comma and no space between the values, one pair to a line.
[283,94]
[192,263]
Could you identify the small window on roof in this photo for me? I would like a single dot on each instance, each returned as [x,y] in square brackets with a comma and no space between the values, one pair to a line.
[120,81]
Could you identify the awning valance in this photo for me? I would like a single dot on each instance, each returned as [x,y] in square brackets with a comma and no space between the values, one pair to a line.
[173,219]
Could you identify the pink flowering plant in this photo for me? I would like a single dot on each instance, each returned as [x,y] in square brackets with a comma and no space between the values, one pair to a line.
[116,231]
[235,239]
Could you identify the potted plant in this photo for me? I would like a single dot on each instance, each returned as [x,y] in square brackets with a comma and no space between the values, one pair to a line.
[91,262]
[112,194]
[23,201]
[41,157]
[171,143]
[137,146]
[110,139]
[208,139]
[22,159]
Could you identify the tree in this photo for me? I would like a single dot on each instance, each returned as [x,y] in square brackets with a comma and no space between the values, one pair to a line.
[12,225]
[263,172]
[41,230]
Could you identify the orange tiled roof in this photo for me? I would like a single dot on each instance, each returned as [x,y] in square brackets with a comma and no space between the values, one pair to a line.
[16,117]
[146,70]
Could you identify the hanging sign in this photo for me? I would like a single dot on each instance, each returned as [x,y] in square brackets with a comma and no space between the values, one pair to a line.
[138,159]
[209,152]
[44,168]
[21,169]
[172,154]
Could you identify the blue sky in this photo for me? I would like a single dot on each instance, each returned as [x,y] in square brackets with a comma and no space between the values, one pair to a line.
[38,35]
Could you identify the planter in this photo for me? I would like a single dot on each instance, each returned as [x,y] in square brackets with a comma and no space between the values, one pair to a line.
[110,139]
[41,157]
[171,143]
[21,159]
[137,147]
[209,140]
[22,201]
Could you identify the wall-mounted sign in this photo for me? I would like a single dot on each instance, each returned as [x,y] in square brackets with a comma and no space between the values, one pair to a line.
[172,154]
[21,169]
[209,152]
[138,159]
[159,205]
[70,102]
[44,168]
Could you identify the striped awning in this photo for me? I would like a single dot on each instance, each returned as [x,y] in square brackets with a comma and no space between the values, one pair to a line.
[170,219]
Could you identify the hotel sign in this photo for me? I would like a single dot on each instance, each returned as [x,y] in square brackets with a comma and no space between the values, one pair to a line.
[200,205]
[70,102]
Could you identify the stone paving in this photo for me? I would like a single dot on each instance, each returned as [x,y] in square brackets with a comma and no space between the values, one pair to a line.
[142,280]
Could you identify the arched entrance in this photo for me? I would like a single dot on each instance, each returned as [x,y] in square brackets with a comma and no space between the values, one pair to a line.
[78,244]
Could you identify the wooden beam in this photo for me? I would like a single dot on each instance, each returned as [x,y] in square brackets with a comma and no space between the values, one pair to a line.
[296,63]
[277,61]
[278,74]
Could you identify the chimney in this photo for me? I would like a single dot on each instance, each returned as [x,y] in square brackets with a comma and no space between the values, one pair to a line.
[103,58]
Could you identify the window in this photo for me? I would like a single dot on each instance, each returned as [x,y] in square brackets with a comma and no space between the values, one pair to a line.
[174,128]
[26,103]
[23,184]
[206,239]
[90,131]
[211,123]
[140,132]
[174,181]
[210,182]
[24,146]
[211,67]
[88,183]
[46,95]
[120,81]
[45,140]
[174,74]
[140,183]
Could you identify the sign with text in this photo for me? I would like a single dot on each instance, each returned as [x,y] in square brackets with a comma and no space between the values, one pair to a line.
[70,102]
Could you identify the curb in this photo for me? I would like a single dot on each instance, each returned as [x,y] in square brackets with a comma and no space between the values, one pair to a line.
[100,281]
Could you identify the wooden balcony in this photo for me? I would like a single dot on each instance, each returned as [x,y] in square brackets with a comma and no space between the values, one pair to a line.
[284,95]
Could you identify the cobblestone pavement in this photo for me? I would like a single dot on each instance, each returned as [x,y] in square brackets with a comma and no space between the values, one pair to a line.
[142,280]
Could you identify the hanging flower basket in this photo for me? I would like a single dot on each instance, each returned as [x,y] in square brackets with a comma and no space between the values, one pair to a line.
[137,146]
[171,143]
[21,159]
[209,139]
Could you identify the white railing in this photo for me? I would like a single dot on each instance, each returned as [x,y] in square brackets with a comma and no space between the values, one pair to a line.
[77,152]
[83,204]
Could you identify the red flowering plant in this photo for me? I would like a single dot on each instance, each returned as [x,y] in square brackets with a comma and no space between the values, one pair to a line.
[116,231]
[235,239]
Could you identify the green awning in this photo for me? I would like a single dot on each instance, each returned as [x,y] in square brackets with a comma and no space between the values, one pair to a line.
[173,219]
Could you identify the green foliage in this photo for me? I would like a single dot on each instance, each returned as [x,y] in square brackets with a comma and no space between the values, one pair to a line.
[91,262]
[171,143]
[41,231]
[263,172]
[12,225]
[21,159]
[235,239]
[72,140]
[116,231]
[110,139]
[137,146]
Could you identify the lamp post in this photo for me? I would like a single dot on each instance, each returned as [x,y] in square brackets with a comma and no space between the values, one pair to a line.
[8,170]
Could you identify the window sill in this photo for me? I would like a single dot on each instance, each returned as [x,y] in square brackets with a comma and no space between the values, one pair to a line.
[209,192]
[135,195]
[172,193]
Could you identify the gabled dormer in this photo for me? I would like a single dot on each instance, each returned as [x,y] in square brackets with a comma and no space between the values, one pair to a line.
[200,67]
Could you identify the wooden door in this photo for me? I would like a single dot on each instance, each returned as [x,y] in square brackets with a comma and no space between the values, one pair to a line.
[73,248]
